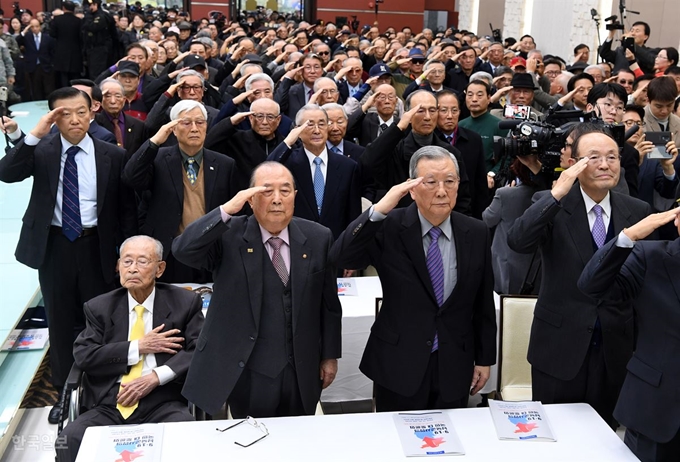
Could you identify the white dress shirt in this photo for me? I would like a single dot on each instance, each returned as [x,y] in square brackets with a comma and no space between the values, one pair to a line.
[324,163]
[164,373]
[606,210]
[87,180]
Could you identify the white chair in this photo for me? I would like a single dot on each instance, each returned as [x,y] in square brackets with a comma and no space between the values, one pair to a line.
[514,371]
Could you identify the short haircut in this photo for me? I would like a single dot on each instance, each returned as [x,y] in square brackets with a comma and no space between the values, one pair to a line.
[96,92]
[554,61]
[258,77]
[673,70]
[199,42]
[602,90]
[662,89]
[190,72]
[330,106]
[184,106]
[315,88]
[648,30]
[265,164]
[481,75]
[586,128]
[409,98]
[300,116]
[313,56]
[525,36]
[443,93]
[67,93]
[139,46]
[431,153]
[500,70]
[625,71]
[245,67]
[642,78]
[158,247]
[593,66]
[582,76]
[110,80]
[637,109]
[429,63]
[487,87]
[267,100]
[580,47]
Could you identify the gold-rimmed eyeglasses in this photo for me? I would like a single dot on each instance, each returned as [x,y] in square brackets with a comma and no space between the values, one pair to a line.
[253,423]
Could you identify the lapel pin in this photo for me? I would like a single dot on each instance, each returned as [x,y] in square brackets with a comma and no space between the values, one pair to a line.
[250,250]
[212,168]
[129,130]
[304,255]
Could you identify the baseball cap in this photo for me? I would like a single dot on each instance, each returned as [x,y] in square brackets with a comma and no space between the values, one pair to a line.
[379,70]
[128,67]
[194,61]
[518,61]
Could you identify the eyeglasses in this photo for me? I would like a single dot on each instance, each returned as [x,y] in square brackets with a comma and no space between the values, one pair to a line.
[418,61]
[596,160]
[609,106]
[252,422]
[312,68]
[445,110]
[384,97]
[261,117]
[661,57]
[553,72]
[187,122]
[323,53]
[141,262]
[190,88]
[630,123]
[568,145]
[433,184]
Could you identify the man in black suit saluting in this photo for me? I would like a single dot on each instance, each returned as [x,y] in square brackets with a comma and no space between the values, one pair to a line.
[435,339]
[78,214]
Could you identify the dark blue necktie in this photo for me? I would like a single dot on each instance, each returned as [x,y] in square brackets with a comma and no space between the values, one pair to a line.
[71,224]
[435,266]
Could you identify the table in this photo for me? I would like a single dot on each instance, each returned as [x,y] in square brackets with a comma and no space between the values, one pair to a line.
[358,315]
[581,436]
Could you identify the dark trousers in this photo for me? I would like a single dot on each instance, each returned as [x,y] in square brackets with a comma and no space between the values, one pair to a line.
[70,275]
[178,273]
[107,414]
[257,395]
[648,450]
[64,78]
[41,83]
[592,385]
[428,395]
[97,60]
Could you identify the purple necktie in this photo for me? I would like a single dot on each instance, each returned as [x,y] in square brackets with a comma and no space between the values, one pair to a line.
[277,259]
[435,266]
[599,231]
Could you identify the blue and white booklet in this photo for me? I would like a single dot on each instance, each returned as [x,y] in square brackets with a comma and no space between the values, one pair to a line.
[521,420]
[427,434]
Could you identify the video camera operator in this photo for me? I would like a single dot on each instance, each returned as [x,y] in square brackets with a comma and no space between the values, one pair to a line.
[636,40]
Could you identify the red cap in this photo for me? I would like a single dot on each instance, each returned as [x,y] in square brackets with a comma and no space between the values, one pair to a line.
[518,61]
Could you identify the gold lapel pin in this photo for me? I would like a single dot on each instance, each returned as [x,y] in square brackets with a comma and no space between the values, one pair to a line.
[212,168]
[250,250]
[304,255]
[129,130]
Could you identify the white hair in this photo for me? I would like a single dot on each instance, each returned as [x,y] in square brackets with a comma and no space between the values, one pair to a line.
[258,77]
[141,237]
[186,105]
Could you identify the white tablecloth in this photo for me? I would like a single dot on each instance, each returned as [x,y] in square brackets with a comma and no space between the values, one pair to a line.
[581,436]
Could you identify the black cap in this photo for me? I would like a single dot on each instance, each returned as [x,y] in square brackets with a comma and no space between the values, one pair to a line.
[522,80]
[194,61]
[128,67]
[184,25]
[253,58]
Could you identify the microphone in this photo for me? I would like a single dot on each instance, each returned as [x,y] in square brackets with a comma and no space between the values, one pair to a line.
[509,124]
[611,18]
[631,131]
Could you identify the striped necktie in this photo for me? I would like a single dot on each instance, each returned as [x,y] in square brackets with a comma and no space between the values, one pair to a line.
[71,223]
[435,267]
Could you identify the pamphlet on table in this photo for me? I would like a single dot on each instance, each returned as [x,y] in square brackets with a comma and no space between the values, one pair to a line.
[347,287]
[26,339]
[139,443]
[521,420]
[427,434]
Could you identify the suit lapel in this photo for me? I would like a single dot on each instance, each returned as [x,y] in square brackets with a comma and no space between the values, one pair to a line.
[53,164]
[300,167]
[120,319]
[300,257]
[672,264]
[621,215]
[173,159]
[332,183]
[578,226]
[252,253]
[103,164]
[209,177]
[411,237]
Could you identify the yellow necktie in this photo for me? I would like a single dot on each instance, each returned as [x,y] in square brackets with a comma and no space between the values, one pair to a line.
[136,370]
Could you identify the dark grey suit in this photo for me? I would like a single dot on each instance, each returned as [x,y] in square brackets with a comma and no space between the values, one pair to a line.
[235,253]
[290,96]
[568,325]
[101,351]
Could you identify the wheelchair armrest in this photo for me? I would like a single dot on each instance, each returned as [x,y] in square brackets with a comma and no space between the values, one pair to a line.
[74,379]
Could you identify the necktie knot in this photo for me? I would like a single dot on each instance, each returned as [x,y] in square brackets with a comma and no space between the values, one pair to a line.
[598,210]
[276,242]
[334,150]
[435,232]
[383,127]
[72,151]
[317,160]
[139,309]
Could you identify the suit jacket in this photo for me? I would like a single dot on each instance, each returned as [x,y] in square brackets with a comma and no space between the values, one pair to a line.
[342,193]
[31,55]
[647,274]
[65,29]
[387,158]
[369,128]
[160,173]
[564,318]
[135,133]
[400,343]
[290,96]
[425,85]
[470,146]
[509,267]
[235,253]
[116,216]
[101,350]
